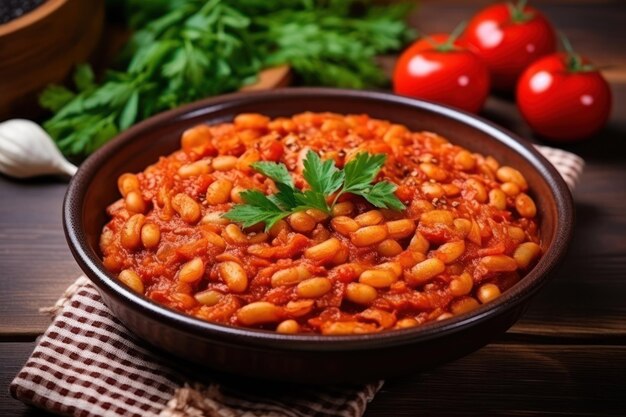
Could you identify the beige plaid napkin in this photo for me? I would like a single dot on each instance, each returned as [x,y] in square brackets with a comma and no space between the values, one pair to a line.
[88,364]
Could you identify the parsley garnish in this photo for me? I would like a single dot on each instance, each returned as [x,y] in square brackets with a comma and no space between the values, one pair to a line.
[324,180]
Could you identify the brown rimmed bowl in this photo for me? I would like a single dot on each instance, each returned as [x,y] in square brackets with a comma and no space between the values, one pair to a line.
[310,358]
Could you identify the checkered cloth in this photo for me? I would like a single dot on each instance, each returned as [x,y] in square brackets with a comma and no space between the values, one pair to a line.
[569,165]
[88,364]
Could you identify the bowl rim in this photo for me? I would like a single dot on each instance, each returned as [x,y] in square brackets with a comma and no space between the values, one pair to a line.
[43,11]
[525,288]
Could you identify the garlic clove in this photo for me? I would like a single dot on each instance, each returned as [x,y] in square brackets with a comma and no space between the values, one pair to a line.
[26,150]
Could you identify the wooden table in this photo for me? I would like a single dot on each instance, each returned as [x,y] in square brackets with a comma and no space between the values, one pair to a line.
[566,356]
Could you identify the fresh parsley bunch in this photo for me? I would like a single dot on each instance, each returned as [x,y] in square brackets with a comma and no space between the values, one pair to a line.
[184,50]
[324,179]
[195,50]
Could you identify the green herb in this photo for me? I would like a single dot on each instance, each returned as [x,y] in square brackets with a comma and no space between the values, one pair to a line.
[328,46]
[324,180]
[360,172]
[184,50]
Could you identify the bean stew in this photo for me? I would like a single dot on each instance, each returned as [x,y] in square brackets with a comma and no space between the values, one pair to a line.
[468,231]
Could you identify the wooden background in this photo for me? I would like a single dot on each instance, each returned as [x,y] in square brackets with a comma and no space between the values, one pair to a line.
[567,356]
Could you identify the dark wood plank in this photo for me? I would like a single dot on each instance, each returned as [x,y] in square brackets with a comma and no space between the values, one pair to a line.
[12,357]
[514,380]
[35,262]
[500,379]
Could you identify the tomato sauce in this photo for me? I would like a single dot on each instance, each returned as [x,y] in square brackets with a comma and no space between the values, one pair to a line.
[468,233]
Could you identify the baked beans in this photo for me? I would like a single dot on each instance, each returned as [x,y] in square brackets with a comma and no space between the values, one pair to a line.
[468,233]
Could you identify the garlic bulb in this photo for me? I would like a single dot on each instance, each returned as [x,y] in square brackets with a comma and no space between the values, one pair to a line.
[26,150]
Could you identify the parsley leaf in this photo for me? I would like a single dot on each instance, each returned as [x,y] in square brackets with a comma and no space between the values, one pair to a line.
[274,171]
[312,200]
[55,97]
[382,195]
[258,208]
[286,197]
[129,112]
[84,77]
[361,171]
[324,179]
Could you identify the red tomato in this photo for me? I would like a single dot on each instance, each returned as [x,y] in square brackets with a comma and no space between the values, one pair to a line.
[442,71]
[509,38]
[563,99]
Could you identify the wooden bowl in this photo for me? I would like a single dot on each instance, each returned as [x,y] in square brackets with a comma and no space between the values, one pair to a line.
[42,47]
[310,358]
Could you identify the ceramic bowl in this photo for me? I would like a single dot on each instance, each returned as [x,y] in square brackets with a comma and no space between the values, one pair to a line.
[311,358]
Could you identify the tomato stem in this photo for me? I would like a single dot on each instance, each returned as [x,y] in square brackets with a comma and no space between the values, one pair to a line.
[518,15]
[448,45]
[574,60]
